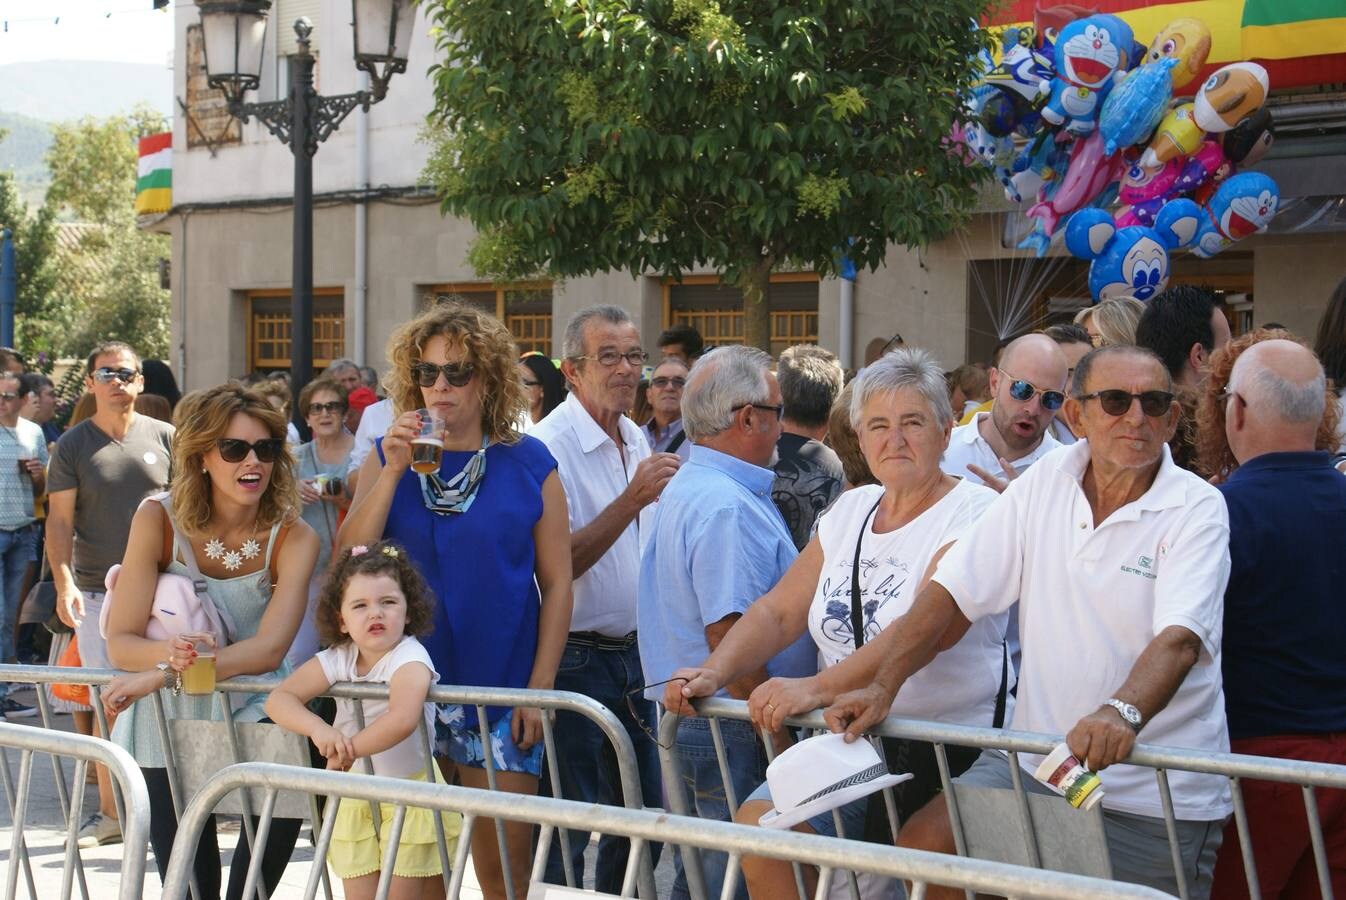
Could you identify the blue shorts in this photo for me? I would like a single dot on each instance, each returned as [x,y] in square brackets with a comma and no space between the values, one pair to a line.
[461,743]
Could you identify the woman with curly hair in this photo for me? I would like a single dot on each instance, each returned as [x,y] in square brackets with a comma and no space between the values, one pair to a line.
[1214,459]
[233,508]
[490,532]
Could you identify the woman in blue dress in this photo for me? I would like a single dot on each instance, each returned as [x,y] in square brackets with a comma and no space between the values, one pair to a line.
[490,533]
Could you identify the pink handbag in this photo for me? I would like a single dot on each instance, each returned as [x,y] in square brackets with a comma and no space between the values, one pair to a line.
[181,604]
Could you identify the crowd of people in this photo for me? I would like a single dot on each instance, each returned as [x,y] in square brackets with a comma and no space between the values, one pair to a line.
[1122,528]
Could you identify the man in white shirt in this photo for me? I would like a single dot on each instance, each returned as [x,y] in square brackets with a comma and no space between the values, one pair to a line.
[1027,389]
[1119,561]
[374,424]
[610,479]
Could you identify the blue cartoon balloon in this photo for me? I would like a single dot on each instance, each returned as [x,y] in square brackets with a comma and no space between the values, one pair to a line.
[1244,204]
[1131,261]
[1134,108]
[1089,54]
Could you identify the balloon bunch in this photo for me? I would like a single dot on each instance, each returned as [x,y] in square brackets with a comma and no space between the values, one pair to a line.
[1077,115]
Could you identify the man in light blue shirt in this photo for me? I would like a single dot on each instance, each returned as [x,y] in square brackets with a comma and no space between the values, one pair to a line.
[717,544]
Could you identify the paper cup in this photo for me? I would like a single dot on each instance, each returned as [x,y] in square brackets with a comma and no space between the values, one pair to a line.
[1063,773]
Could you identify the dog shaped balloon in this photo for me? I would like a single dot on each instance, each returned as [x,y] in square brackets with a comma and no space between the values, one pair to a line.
[1089,54]
[1131,261]
[1243,204]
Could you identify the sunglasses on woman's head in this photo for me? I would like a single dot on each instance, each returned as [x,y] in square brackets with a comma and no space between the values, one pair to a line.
[1023,391]
[456,374]
[233,450]
[1116,403]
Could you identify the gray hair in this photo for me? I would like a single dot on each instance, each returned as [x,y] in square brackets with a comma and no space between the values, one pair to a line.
[1079,382]
[340,365]
[370,376]
[905,367]
[1261,387]
[572,345]
[719,381]
[810,379]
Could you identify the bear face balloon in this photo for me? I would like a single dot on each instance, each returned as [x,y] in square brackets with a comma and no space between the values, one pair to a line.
[1187,41]
[1243,204]
[1130,261]
[1230,95]
[1089,53]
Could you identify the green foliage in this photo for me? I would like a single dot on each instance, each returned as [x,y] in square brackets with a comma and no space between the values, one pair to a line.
[107,283]
[582,136]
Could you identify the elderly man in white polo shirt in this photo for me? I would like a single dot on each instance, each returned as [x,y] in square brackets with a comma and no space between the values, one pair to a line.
[610,478]
[1027,389]
[1119,561]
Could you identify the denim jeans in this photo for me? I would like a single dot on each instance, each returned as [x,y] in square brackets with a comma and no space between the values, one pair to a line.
[703,787]
[17,550]
[586,763]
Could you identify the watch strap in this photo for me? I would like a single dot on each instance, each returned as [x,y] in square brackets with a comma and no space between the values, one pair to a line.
[1123,709]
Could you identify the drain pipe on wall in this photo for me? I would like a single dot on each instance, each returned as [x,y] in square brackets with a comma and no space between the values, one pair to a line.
[357,346]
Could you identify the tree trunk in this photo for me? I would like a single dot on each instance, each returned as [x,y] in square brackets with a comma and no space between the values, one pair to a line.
[756,314]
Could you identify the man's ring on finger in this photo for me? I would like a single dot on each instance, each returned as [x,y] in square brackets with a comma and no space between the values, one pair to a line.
[771,706]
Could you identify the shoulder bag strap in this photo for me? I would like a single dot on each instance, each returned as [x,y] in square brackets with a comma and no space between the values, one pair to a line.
[857,609]
[676,442]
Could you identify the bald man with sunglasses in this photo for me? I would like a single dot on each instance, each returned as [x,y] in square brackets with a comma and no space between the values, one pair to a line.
[1027,390]
[1119,561]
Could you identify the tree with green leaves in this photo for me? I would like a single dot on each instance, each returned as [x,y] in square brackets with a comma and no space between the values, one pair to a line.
[581,136]
[109,277]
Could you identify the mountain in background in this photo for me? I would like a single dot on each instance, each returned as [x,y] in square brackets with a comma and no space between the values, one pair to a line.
[59,90]
[35,94]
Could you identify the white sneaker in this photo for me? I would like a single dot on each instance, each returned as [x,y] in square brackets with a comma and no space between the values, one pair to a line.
[98,830]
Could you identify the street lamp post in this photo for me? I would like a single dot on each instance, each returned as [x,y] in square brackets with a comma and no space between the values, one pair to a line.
[234,32]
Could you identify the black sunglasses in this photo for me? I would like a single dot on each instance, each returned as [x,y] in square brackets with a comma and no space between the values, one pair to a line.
[1116,403]
[332,406]
[234,450]
[1023,391]
[777,409]
[107,374]
[636,694]
[456,374]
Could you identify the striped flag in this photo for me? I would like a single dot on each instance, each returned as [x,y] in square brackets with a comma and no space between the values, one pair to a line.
[154,177]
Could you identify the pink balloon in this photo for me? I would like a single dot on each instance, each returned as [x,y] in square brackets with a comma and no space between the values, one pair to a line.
[1089,172]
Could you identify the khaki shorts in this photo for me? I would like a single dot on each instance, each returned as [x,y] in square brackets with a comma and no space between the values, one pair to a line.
[92,645]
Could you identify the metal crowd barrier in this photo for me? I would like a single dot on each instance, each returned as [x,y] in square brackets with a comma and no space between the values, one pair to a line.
[134,806]
[1308,776]
[641,826]
[478,697]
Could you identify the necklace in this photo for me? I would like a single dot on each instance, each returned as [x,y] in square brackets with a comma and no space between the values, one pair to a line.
[456,495]
[232,560]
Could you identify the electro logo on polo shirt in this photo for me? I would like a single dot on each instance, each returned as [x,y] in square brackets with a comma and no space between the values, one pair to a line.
[1144,562]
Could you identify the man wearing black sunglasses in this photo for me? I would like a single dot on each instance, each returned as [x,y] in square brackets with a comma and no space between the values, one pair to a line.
[1027,391]
[1119,560]
[100,471]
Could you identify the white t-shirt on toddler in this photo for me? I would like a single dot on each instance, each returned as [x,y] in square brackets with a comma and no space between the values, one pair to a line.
[338,664]
[962,683]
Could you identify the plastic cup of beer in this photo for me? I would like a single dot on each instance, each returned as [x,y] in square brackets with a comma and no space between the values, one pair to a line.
[199,677]
[427,448]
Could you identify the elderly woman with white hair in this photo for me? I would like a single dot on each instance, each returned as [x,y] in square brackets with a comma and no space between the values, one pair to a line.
[859,574]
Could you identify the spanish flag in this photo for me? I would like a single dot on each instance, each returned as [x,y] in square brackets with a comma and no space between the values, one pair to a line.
[154,177]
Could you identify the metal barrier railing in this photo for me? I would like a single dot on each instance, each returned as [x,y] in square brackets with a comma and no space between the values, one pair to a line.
[641,826]
[134,808]
[478,697]
[1236,767]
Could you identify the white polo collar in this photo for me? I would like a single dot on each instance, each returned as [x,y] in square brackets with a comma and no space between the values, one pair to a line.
[588,432]
[1168,490]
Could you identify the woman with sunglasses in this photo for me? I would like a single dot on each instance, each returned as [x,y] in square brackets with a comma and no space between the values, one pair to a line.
[490,533]
[859,575]
[234,501]
[321,466]
[543,386]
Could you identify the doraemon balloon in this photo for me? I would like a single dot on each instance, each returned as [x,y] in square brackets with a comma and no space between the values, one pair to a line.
[1244,204]
[1089,53]
[1130,261]
[1135,106]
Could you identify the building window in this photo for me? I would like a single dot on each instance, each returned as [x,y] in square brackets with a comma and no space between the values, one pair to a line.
[269,329]
[716,309]
[524,308]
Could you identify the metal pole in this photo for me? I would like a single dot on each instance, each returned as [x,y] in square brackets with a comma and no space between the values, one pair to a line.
[9,289]
[301,300]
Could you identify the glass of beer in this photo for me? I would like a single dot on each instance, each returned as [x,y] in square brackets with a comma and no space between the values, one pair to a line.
[428,447]
[199,678]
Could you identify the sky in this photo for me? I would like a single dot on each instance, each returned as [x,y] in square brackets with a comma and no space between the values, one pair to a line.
[110,30]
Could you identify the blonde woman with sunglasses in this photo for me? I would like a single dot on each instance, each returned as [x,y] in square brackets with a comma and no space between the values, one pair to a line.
[235,506]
